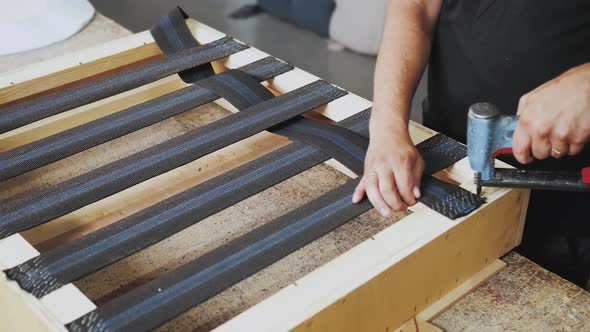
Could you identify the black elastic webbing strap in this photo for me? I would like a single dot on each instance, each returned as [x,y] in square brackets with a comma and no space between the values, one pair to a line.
[191,284]
[173,35]
[16,115]
[438,151]
[42,206]
[342,144]
[238,88]
[107,245]
[61,145]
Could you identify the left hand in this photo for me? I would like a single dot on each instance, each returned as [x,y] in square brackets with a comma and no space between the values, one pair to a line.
[554,118]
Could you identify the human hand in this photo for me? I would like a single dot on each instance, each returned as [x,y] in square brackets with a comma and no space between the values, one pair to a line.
[554,118]
[393,169]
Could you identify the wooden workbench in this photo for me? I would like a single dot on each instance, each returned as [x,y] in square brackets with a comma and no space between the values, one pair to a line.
[523,296]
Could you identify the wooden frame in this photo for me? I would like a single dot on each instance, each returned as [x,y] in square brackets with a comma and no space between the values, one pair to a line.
[377,285]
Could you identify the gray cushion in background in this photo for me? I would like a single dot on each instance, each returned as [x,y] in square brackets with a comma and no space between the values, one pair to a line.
[355,24]
[358,25]
[314,15]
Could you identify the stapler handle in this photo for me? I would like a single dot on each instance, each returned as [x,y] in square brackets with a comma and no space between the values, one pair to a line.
[504,133]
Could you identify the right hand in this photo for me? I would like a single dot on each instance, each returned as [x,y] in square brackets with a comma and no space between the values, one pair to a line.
[393,169]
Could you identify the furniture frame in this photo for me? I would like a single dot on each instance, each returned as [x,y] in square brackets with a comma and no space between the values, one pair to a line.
[377,285]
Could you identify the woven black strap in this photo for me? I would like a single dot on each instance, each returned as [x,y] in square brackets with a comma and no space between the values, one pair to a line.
[42,206]
[61,145]
[15,115]
[184,56]
[346,146]
[242,91]
[172,35]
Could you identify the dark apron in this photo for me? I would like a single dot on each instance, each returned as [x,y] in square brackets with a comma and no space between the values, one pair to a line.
[496,51]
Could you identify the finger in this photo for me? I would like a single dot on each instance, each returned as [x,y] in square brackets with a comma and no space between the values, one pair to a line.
[521,146]
[541,148]
[404,180]
[389,191]
[559,148]
[418,170]
[372,190]
[359,191]
[575,149]
[521,105]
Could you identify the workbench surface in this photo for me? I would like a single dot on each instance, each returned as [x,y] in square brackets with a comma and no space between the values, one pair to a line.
[522,297]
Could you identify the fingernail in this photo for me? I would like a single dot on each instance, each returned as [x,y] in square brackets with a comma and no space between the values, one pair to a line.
[417,192]
[384,212]
[355,199]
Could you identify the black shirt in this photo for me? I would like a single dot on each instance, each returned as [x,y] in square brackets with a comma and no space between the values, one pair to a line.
[497,51]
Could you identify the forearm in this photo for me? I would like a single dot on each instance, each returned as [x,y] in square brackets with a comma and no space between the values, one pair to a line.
[403,55]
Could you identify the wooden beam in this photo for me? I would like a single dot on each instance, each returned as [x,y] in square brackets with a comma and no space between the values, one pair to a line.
[454,296]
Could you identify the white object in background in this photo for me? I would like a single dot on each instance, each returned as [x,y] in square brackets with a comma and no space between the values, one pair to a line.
[358,25]
[30,24]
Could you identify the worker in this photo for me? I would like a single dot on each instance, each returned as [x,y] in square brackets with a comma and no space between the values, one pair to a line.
[528,57]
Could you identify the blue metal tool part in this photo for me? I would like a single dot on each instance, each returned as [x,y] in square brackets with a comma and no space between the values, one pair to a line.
[488,133]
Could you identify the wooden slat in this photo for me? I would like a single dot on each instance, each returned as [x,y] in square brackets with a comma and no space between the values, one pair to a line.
[20,311]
